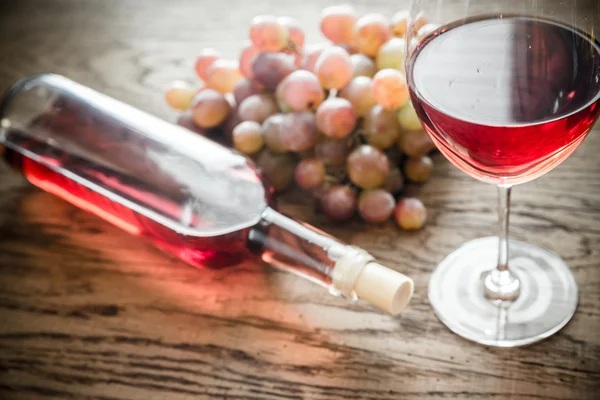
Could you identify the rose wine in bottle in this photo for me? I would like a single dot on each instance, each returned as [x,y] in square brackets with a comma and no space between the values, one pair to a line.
[187,195]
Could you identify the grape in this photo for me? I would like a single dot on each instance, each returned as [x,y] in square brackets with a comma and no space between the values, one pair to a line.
[426,30]
[349,48]
[246,59]
[418,169]
[410,214]
[334,68]
[390,89]
[399,23]
[257,108]
[339,203]
[370,32]
[186,120]
[271,68]
[391,54]
[311,55]
[408,118]
[229,124]
[337,23]
[420,21]
[222,75]
[415,143]
[332,152]
[278,169]
[180,95]
[267,34]
[296,34]
[205,60]
[247,137]
[272,133]
[310,173]
[302,91]
[243,89]
[280,99]
[336,117]
[368,167]
[381,127]
[362,66]
[299,131]
[376,206]
[395,181]
[210,108]
[359,92]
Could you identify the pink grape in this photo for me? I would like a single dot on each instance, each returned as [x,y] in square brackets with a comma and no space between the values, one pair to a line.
[271,68]
[186,120]
[376,206]
[205,60]
[336,117]
[280,99]
[247,137]
[302,91]
[362,66]
[390,89]
[210,108]
[337,23]
[334,68]
[311,55]
[332,152]
[419,21]
[310,173]
[349,48]
[257,108]
[399,23]
[359,92]
[278,169]
[381,127]
[394,183]
[296,34]
[222,75]
[179,96]
[368,167]
[415,143]
[418,169]
[267,34]
[272,133]
[299,131]
[245,88]
[246,59]
[339,203]
[391,54]
[370,32]
[410,214]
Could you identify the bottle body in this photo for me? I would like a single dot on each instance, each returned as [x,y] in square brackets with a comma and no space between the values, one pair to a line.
[187,195]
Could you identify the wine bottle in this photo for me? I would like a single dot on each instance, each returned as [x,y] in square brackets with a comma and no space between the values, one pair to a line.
[186,194]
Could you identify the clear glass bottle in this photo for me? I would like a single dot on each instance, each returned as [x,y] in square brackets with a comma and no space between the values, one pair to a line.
[186,194]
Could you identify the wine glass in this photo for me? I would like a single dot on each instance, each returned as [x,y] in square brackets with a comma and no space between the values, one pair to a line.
[506,90]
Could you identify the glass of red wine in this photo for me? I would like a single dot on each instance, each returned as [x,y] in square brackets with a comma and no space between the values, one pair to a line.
[507,90]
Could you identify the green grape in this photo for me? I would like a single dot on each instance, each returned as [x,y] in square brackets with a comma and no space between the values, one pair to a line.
[302,91]
[390,89]
[336,117]
[267,34]
[338,203]
[299,131]
[370,32]
[362,66]
[391,54]
[334,68]
[359,92]
[210,108]
[381,127]
[408,118]
[257,108]
[247,137]
[376,206]
[337,23]
[418,169]
[368,167]
[410,214]
[310,173]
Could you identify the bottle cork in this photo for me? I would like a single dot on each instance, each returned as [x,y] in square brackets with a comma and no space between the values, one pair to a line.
[384,288]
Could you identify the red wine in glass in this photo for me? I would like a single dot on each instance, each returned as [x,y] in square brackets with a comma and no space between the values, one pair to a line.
[529,93]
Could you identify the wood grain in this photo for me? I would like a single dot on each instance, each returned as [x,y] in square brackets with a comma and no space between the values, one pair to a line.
[88,312]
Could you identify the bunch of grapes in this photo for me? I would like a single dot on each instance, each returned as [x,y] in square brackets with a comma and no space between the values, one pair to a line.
[334,117]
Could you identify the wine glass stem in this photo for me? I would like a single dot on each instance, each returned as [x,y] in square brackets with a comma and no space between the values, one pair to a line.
[501,284]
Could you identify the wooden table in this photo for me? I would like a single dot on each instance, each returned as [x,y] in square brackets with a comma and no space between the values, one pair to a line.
[88,312]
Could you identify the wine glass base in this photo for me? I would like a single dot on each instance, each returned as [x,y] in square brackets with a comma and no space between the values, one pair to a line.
[547,300]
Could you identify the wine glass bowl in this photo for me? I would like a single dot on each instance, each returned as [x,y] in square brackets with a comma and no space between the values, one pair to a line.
[506,90]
